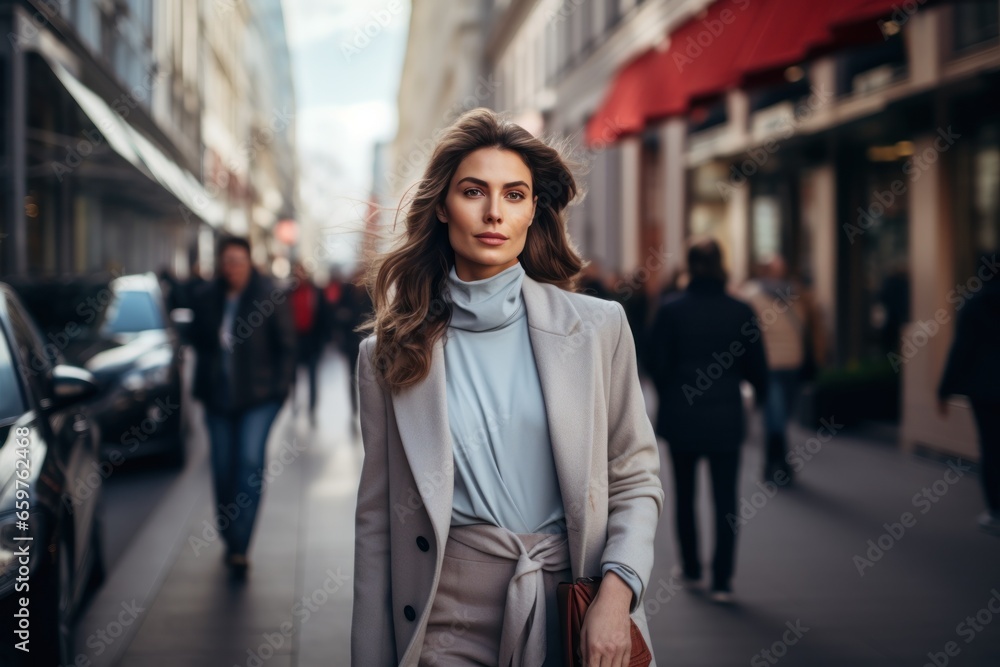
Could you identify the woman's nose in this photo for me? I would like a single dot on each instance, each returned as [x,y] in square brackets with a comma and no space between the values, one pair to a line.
[493,213]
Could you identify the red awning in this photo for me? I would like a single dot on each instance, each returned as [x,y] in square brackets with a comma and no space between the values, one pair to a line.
[623,110]
[727,45]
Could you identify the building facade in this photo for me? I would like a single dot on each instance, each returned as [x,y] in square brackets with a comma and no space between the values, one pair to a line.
[857,140]
[112,129]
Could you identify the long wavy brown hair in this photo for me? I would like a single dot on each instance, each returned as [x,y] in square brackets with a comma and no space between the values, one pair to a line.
[407,283]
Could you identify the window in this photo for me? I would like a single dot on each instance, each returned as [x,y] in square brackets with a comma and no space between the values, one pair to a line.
[975,24]
[871,67]
[612,12]
[11,400]
[986,190]
[36,360]
[132,312]
[708,115]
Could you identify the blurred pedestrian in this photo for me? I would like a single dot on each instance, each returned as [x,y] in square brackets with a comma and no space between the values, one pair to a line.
[593,280]
[973,370]
[190,287]
[506,441]
[353,309]
[172,289]
[701,345]
[783,315]
[245,343]
[309,312]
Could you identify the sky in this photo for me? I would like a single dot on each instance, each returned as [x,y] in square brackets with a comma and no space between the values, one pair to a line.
[347,57]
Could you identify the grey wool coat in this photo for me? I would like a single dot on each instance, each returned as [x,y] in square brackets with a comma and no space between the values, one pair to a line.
[605,451]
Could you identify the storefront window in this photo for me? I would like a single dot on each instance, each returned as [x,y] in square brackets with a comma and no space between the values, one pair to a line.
[986,191]
[766,227]
[868,68]
[975,24]
[876,299]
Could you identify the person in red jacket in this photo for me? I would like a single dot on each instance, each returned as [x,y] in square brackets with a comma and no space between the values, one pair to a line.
[308,314]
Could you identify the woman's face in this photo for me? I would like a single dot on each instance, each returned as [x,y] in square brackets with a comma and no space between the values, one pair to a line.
[488,209]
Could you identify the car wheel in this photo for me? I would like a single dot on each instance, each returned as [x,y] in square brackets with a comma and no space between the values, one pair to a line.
[55,638]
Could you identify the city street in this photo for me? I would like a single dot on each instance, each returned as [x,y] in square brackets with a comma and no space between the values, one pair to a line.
[811,590]
[793,207]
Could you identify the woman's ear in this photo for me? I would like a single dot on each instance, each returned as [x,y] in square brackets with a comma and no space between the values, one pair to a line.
[442,214]
[534,207]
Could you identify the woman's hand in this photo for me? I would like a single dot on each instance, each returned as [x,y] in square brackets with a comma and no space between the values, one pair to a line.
[606,637]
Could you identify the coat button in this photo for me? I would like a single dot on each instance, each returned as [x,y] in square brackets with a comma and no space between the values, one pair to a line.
[409,613]
[423,544]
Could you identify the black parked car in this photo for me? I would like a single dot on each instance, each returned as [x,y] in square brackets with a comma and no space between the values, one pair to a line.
[121,332]
[49,495]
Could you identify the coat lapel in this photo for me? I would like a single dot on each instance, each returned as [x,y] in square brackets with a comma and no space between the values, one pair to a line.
[422,418]
[566,373]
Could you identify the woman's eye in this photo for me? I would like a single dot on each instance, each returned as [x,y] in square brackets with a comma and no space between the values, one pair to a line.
[471,192]
[518,195]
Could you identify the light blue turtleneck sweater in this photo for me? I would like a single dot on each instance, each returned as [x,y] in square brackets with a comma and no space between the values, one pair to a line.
[504,471]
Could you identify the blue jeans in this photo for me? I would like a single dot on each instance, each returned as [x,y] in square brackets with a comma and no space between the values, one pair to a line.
[238,443]
[781,393]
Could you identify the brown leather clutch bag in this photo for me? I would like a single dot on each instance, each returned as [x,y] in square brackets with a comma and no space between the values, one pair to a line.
[574,600]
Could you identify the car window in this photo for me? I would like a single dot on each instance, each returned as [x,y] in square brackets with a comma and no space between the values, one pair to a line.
[33,360]
[130,312]
[11,399]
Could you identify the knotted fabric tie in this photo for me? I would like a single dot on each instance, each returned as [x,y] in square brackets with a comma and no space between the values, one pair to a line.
[522,639]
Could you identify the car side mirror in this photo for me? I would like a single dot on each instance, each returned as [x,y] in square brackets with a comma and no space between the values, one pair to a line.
[71,384]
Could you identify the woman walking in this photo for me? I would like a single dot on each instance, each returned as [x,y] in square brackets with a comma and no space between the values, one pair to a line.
[506,442]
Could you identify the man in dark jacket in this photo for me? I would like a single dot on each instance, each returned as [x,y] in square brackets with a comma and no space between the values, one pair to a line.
[972,370]
[245,343]
[701,345]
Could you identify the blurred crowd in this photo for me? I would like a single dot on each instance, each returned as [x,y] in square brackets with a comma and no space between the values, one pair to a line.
[701,342]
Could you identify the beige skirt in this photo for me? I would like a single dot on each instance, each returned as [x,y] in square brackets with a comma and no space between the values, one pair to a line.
[467,618]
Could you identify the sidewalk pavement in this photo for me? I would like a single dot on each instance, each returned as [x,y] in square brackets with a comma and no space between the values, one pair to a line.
[871,558]
[295,606]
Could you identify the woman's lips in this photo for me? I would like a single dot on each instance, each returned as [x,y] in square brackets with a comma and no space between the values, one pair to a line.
[491,240]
